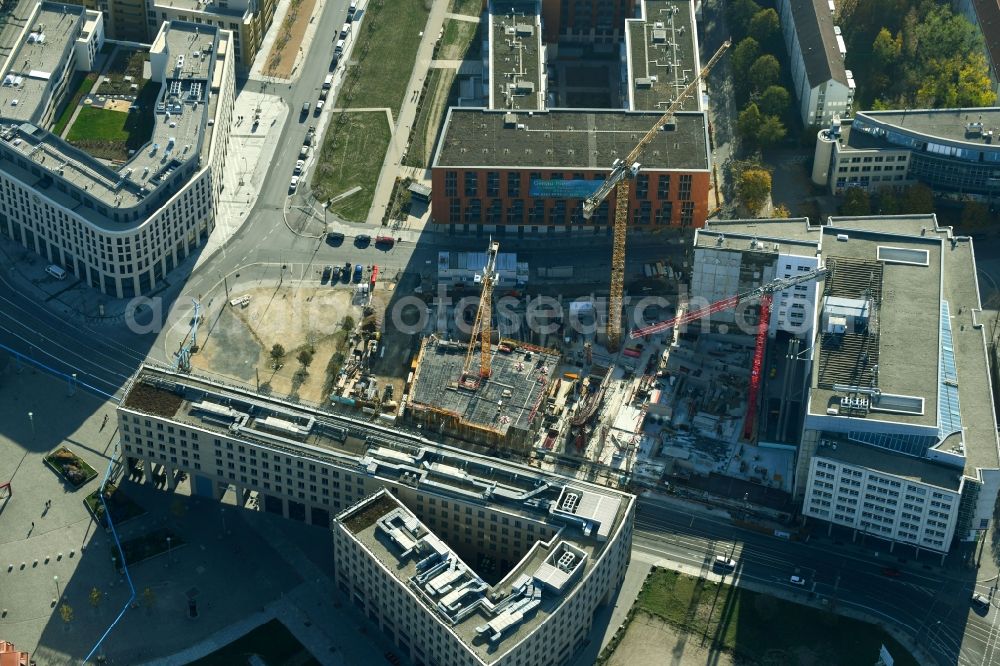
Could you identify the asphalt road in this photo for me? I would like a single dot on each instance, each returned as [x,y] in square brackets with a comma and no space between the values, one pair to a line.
[930,603]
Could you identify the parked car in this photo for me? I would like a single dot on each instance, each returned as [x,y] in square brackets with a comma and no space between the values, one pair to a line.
[335,276]
[980,600]
[327,271]
[323,93]
[891,572]
[304,151]
[294,184]
[298,166]
[305,109]
[359,272]
[362,240]
[797,580]
[334,238]
[319,107]
[388,241]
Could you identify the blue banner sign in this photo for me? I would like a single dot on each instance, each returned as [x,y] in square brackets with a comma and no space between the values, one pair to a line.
[563,189]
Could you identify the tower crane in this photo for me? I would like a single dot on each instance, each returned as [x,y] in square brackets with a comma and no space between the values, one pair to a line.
[621,171]
[182,359]
[764,294]
[481,330]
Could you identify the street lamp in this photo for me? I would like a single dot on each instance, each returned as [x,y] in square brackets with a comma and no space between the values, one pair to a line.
[56,580]
[223,520]
[31,420]
[168,551]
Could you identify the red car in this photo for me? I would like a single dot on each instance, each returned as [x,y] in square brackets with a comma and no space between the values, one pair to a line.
[891,572]
[385,240]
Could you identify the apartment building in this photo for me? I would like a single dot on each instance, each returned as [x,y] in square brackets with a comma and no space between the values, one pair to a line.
[121,228]
[511,562]
[247,20]
[955,152]
[736,256]
[816,53]
[900,437]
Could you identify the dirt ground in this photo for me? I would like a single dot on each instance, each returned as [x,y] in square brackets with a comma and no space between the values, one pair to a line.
[239,340]
[392,365]
[652,642]
[281,60]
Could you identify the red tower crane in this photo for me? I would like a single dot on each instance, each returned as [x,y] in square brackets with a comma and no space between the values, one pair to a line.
[764,294]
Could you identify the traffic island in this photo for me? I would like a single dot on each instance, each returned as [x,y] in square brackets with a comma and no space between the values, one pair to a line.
[121,506]
[70,467]
[149,545]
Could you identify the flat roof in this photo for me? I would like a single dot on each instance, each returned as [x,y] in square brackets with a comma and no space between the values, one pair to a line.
[511,610]
[570,139]
[926,336]
[516,52]
[906,467]
[372,449]
[793,236]
[503,401]
[200,7]
[180,135]
[947,124]
[30,73]
[662,54]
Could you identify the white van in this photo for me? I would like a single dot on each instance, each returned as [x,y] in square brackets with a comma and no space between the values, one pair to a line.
[339,48]
[57,272]
[345,30]
[328,81]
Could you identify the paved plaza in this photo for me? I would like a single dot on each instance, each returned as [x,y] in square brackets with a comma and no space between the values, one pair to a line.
[242,567]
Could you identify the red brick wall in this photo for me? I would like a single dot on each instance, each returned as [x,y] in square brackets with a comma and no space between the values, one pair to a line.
[444,198]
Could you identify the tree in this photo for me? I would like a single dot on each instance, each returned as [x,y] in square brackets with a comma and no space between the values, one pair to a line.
[917,199]
[744,56]
[770,131]
[739,13]
[348,323]
[774,101]
[974,87]
[975,215]
[95,597]
[748,123]
[66,613]
[886,49]
[754,187]
[766,29]
[305,357]
[277,353]
[781,212]
[764,72]
[888,202]
[856,202]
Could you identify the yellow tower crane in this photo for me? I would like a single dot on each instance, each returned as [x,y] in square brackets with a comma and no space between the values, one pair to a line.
[621,172]
[481,330]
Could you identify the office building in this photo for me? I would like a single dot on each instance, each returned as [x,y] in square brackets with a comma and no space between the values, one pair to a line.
[816,53]
[520,166]
[736,256]
[512,562]
[900,437]
[955,152]
[117,227]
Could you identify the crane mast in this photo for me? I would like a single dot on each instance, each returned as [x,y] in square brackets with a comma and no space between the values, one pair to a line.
[764,294]
[622,171]
[481,330]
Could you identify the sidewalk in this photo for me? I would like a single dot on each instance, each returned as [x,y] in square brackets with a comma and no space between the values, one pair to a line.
[407,113]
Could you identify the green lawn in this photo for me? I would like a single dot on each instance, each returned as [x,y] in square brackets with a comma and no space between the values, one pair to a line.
[467,7]
[430,115]
[271,642]
[378,76]
[98,125]
[70,466]
[112,134]
[352,155]
[456,39]
[83,84]
[746,623]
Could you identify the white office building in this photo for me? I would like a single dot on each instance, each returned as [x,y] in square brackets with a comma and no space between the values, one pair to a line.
[460,558]
[119,227]
[735,256]
[816,52]
[900,437]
